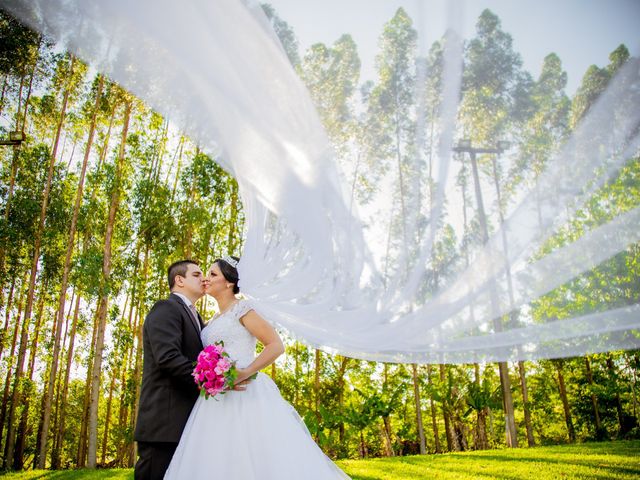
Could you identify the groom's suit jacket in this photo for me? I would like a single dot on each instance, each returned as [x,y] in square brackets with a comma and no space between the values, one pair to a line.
[171,343]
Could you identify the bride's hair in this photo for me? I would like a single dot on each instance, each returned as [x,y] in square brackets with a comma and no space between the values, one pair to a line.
[229,272]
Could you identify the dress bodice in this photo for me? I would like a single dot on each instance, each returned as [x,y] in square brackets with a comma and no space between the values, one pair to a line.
[239,343]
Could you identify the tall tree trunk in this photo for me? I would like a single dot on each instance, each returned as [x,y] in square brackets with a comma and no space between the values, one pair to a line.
[507,402]
[434,419]
[341,373]
[58,382]
[83,439]
[19,126]
[481,440]
[594,399]
[7,383]
[138,357]
[385,427]
[123,417]
[511,431]
[401,183]
[505,382]
[30,89]
[106,279]
[416,396]
[386,436]
[65,281]
[119,372]
[5,330]
[23,431]
[5,83]
[526,404]
[188,230]
[126,364]
[631,356]
[613,377]
[14,167]
[363,446]
[178,169]
[62,402]
[17,398]
[316,386]
[232,243]
[296,373]
[15,160]
[565,403]
[81,455]
[445,413]
[107,421]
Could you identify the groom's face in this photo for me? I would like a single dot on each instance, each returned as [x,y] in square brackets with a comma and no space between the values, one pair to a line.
[192,284]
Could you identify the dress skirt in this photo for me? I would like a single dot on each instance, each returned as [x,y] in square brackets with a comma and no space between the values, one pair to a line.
[247,435]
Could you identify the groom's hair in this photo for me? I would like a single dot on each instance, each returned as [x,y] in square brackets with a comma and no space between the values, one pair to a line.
[178,268]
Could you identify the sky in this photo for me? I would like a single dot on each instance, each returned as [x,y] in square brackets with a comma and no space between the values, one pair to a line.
[581,32]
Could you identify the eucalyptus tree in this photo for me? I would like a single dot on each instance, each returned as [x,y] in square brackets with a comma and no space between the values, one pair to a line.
[432,99]
[51,266]
[22,226]
[91,111]
[390,123]
[547,128]
[418,405]
[284,32]
[611,283]
[429,389]
[117,190]
[86,269]
[19,56]
[331,75]
[20,229]
[154,225]
[594,82]
[493,84]
[541,135]
[18,53]
[67,79]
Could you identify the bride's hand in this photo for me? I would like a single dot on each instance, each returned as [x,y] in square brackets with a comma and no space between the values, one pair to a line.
[243,379]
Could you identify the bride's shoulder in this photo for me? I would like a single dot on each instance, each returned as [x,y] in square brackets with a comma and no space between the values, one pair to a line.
[245,305]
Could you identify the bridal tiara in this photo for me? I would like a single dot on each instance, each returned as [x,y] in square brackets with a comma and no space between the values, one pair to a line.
[231,261]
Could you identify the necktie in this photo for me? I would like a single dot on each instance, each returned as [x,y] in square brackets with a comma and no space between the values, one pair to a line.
[194,313]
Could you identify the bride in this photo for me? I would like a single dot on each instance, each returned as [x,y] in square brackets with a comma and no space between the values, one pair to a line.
[253,433]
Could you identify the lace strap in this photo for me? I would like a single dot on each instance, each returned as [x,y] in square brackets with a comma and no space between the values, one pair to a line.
[244,306]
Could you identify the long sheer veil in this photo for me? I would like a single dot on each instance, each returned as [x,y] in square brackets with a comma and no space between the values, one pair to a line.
[354,277]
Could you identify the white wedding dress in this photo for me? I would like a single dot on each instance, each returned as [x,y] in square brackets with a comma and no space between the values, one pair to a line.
[250,434]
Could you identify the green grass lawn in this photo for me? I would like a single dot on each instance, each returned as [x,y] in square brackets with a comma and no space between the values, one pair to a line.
[589,461]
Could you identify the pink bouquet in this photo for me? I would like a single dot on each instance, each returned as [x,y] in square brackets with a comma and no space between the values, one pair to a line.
[214,373]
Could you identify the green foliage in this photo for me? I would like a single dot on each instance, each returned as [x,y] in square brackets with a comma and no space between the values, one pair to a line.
[18,47]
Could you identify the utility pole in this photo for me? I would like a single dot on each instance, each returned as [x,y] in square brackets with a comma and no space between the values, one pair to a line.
[15,138]
[507,400]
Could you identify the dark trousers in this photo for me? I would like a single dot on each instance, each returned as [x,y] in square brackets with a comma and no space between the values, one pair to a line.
[153,459]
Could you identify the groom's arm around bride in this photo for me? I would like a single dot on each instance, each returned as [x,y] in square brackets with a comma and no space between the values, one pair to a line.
[171,343]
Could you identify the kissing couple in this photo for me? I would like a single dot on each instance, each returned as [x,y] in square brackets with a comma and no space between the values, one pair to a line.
[248,433]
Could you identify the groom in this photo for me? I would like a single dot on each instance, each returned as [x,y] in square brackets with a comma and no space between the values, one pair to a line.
[171,343]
